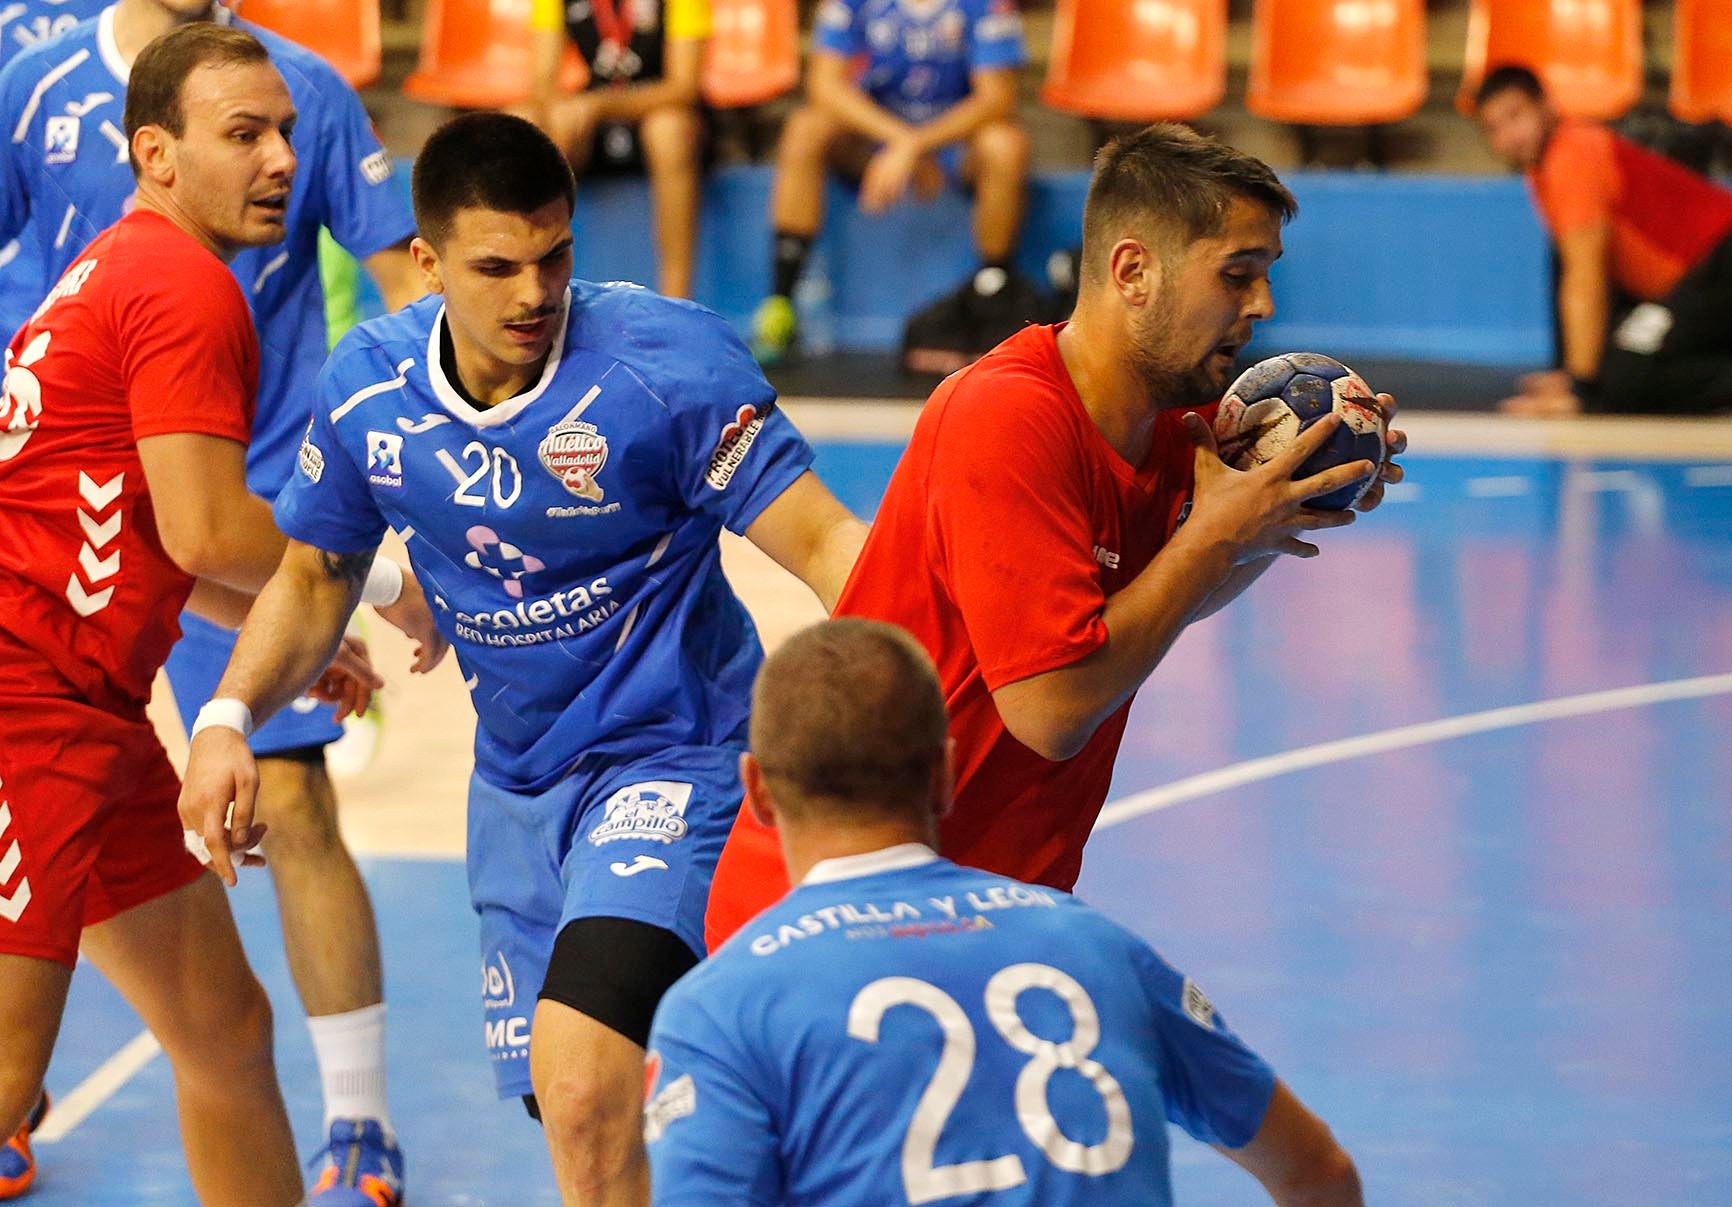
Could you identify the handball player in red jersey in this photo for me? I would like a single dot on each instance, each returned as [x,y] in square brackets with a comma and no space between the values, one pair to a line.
[123,428]
[1061,515]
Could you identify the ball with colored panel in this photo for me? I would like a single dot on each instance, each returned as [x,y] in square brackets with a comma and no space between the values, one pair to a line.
[1275,400]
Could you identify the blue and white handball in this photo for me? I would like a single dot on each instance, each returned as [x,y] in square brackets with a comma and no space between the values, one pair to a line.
[1276,399]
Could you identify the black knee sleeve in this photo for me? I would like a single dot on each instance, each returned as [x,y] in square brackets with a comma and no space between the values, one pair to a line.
[615,970]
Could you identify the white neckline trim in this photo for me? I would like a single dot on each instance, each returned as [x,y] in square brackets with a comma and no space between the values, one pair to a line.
[109,49]
[872,863]
[508,410]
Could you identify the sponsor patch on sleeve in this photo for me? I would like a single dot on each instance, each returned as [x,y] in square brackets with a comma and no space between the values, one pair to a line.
[1198,1005]
[736,441]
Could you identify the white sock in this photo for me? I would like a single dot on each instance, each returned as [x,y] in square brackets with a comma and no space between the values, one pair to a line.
[350,1049]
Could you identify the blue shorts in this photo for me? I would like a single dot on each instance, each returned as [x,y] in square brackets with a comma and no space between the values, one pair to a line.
[619,837]
[196,666]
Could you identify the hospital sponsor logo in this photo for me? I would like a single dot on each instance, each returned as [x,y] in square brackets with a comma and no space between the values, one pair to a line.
[493,554]
[736,441]
[567,613]
[574,452]
[649,812]
[385,459]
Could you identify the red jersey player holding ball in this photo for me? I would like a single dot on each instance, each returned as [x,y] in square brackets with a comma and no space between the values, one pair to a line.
[125,417]
[1060,515]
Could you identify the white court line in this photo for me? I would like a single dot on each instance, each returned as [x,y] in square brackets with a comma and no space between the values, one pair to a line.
[98,1088]
[1256,770]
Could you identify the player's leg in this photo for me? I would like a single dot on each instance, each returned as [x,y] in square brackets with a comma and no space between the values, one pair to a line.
[672,138]
[1675,356]
[571,125]
[329,934]
[796,213]
[178,961]
[996,166]
[32,1001]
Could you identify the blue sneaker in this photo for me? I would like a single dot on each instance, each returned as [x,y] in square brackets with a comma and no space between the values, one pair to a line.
[362,1168]
[17,1163]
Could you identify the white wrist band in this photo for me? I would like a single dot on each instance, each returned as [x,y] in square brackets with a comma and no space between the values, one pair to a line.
[384,585]
[224,713]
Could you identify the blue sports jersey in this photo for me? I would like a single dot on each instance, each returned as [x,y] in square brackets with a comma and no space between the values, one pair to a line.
[64,178]
[27,23]
[917,55]
[567,537]
[901,1030]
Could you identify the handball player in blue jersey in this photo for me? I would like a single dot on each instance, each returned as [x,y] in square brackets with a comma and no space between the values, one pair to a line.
[64,177]
[903,1030]
[560,458]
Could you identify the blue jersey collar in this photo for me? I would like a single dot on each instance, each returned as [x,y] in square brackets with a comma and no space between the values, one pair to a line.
[873,863]
[508,410]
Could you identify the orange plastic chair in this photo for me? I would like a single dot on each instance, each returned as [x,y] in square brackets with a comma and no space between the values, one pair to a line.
[1702,67]
[753,55]
[476,54]
[345,33]
[1137,60]
[1588,52]
[1337,62]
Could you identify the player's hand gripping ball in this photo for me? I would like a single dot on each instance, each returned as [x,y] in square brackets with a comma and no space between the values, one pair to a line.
[1276,399]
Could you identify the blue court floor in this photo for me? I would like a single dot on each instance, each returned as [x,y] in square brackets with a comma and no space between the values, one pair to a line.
[1442,821]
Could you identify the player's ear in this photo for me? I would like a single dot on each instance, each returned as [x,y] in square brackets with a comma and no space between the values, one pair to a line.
[153,152]
[1135,271]
[758,799]
[427,260]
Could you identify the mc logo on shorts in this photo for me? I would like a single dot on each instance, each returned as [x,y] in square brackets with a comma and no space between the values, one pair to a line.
[648,812]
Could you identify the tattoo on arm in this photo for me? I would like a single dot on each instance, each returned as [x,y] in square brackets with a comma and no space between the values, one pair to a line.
[348,567]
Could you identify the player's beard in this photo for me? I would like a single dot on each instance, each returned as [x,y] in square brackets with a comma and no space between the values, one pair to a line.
[1153,356]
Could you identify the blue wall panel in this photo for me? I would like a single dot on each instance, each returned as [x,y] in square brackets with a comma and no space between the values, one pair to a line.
[1419,267]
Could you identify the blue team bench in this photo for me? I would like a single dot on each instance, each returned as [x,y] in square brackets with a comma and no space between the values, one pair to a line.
[1405,267]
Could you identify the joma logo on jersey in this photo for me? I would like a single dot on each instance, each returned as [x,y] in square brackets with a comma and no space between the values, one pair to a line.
[649,812]
[61,139]
[737,440]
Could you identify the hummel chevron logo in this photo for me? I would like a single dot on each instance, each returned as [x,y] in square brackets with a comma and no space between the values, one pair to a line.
[13,905]
[101,496]
[98,533]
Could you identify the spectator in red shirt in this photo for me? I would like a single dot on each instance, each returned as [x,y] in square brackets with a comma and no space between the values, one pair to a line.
[1644,250]
[126,411]
[1061,516]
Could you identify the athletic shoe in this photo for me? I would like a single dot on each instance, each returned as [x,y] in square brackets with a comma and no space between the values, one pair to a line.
[998,305]
[17,1163]
[774,328]
[361,1168]
[939,338]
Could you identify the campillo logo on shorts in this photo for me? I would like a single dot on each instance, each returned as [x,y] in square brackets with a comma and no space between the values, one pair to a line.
[574,452]
[648,812]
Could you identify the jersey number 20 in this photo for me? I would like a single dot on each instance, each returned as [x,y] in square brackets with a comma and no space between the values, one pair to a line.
[922,1180]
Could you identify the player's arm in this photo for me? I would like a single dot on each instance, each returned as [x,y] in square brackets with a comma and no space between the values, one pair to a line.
[14,187]
[808,532]
[991,98]
[1584,288]
[831,87]
[1237,518]
[547,49]
[393,271]
[1297,1159]
[682,73]
[209,523]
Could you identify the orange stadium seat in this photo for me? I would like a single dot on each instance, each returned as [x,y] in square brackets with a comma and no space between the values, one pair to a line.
[754,52]
[1337,62]
[344,32]
[1588,52]
[1702,64]
[475,54]
[1137,60]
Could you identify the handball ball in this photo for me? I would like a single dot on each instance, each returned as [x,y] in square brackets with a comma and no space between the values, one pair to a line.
[1276,399]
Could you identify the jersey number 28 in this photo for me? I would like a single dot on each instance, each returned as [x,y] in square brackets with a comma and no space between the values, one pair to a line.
[925,1182]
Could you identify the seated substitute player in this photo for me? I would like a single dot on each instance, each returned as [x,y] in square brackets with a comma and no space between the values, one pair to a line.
[123,428]
[641,110]
[936,97]
[563,456]
[904,1030]
[1644,255]
[60,183]
[1096,521]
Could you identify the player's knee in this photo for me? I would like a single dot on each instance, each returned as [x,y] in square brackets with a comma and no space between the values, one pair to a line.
[1002,148]
[297,802]
[670,136]
[806,137]
[594,1124]
[222,1036]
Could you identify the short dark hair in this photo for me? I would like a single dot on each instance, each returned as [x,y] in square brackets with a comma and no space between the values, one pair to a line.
[491,161]
[848,718]
[159,75]
[1506,78]
[1173,175]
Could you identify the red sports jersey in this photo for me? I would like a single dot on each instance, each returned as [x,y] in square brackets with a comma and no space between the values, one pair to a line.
[147,334]
[1007,524]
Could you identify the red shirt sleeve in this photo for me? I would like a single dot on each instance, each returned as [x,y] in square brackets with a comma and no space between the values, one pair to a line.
[1577,181]
[188,353]
[1011,527]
